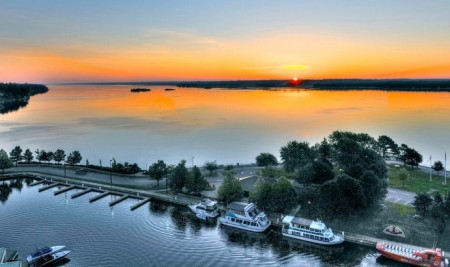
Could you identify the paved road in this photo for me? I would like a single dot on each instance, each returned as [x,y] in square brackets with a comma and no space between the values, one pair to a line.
[94,176]
[400,196]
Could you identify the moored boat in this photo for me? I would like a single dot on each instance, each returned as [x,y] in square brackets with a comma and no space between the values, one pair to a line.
[245,216]
[50,258]
[206,209]
[43,252]
[425,258]
[309,230]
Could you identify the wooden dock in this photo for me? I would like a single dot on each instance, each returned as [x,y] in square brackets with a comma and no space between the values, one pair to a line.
[122,198]
[102,195]
[79,194]
[65,189]
[37,182]
[48,187]
[139,204]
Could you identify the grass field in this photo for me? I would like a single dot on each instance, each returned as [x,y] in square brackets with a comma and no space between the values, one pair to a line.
[418,181]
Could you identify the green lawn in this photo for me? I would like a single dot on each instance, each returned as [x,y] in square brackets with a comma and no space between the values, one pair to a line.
[418,180]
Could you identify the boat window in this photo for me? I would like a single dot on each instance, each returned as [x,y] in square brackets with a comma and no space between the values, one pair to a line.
[246,223]
[306,235]
[254,224]
[321,238]
[327,240]
[238,220]
[233,220]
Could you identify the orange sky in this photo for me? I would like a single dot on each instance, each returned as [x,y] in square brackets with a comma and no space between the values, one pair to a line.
[170,42]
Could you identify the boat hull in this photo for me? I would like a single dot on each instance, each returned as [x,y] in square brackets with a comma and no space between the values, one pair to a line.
[406,255]
[223,221]
[53,250]
[337,239]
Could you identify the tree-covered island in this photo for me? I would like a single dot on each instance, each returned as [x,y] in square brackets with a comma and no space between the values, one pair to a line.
[14,96]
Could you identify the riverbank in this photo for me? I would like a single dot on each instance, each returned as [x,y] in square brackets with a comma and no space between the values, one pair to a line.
[356,228]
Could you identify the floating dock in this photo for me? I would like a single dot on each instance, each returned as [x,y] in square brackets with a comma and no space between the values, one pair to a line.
[122,198]
[79,194]
[37,182]
[102,195]
[62,190]
[139,204]
[48,187]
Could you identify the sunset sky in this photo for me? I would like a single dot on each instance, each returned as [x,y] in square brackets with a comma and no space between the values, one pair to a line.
[88,40]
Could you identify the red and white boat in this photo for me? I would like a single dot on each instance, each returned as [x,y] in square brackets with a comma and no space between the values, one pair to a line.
[425,258]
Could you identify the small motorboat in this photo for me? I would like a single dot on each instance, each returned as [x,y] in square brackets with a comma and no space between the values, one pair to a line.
[41,252]
[50,258]
[206,209]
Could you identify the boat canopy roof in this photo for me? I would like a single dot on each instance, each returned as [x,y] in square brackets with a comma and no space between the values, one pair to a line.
[297,220]
[208,202]
[41,251]
[239,206]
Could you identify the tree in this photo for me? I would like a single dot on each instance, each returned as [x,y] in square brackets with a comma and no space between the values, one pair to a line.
[271,171]
[74,158]
[351,192]
[49,157]
[179,177]
[263,194]
[59,156]
[387,146]
[409,156]
[158,170]
[403,175]
[295,154]
[284,196]
[43,156]
[16,154]
[196,183]
[322,171]
[5,161]
[438,212]
[438,166]
[305,174]
[324,150]
[211,166]
[412,157]
[230,190]
[38,152]
[422,203]
[266,159]
[28,155]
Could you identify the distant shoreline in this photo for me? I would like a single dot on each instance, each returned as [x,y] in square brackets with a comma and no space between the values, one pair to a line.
[413,85]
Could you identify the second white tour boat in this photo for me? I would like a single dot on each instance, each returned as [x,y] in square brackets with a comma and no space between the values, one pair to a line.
[245,216]
[311,231]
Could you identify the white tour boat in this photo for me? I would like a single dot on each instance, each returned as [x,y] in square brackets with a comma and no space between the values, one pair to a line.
[206,209]
[311,231]
[245,216]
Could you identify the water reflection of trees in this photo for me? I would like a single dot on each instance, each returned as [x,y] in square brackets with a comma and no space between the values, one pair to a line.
[282,246]
[6,188]
[14,105]
[158,207]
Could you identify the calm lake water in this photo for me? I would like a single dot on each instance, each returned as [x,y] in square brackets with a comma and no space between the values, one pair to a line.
[230,126]
[156,234]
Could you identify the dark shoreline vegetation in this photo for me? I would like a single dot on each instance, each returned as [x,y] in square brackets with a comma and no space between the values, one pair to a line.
[435,85]
[14,96]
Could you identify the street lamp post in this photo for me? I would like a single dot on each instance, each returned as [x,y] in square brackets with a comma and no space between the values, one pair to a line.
[64,164]
[309,209]
[110,171]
